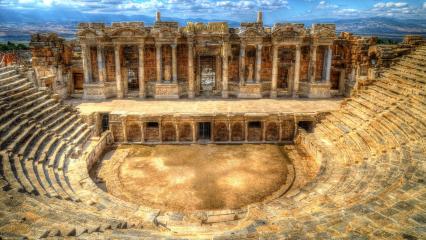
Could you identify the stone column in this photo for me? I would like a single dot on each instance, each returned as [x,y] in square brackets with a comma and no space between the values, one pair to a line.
[142,131]
[191,93]
[328,64]
[212,131]
[160,130]
[120,93]
[313,64]
[242,63]
[297,71]
[274,71]
[194,133]
[280,137]
[258,62]
[264,131]
[124,127]
[246,130]
[177,131]
[229,131]
[159,63]
[101,63]
[87,67]
[225,76]
[141,71]
[174,63]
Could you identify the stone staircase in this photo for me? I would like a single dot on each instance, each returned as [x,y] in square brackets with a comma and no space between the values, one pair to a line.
[370,184]
[38,136]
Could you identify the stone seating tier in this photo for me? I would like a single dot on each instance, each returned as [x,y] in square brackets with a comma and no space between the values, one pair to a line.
[370,183]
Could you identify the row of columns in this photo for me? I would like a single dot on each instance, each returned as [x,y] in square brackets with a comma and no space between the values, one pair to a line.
[194,131]
[258,67]
[87,67]
[160,76]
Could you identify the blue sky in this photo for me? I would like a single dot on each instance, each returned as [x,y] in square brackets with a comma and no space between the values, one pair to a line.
[239,10]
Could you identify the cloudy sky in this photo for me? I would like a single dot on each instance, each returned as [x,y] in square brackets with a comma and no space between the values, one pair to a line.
[239,10]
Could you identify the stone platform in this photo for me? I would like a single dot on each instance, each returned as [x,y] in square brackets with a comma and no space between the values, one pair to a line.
[207,106]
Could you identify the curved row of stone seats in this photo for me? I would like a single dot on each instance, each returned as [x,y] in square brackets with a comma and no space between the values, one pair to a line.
[370,184]
[371,180]
[37,135]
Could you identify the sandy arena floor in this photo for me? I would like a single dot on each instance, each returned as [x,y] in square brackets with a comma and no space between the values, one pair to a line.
[194,177]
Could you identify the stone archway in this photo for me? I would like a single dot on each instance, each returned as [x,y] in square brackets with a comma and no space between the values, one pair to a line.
[134,132]
[272,132]
[169,132]
[185,132]
[237,132]
[221,132]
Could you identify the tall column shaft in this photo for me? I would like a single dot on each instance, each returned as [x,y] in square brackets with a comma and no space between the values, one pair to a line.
[159,63]
[191,93]
[242,69]
[142,131]
[297,71]
[329,59]
[313,64]
[174,63]
[85,53]
[194,132]
[258,62]
[225,76]
[101,63]
[141,71]
[124,127]
[120,93]
[274,72]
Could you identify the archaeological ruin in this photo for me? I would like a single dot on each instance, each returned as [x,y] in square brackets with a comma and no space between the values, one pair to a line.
[206,131]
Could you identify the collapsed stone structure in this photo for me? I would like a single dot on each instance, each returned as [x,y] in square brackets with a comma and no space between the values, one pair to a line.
[168,61]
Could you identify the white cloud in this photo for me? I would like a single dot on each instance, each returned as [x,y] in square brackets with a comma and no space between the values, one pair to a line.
[390,5]
[325,5]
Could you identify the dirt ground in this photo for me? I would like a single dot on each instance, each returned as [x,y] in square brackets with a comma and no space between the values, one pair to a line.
[194,177]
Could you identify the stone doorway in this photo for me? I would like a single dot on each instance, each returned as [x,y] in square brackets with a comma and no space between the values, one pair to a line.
[208,75]
[204,131]
[78,80]
[131,63]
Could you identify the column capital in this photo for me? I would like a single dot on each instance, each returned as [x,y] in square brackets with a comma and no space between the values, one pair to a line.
[141,45]
[259,46]
[158,45]
[173,45]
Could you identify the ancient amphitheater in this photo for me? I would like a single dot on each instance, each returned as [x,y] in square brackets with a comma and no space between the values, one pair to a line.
[214,164]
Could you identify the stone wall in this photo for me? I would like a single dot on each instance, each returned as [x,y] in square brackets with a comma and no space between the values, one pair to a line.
[182,129]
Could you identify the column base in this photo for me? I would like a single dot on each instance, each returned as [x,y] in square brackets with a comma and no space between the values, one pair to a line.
[225,94]
[316,90]
[95,91]
[250,90]
[166,91]
[274,94]
[191,94]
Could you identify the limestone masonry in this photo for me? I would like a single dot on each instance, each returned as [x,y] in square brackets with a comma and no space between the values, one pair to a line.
[166,132]
[209,60]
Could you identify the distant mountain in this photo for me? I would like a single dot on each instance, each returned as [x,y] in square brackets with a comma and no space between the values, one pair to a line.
[66,16]
[20,24]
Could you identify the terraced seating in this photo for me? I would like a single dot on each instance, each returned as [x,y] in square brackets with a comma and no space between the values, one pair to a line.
[370,183]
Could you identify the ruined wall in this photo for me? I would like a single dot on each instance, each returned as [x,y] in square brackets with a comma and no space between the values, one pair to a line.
[51,60]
